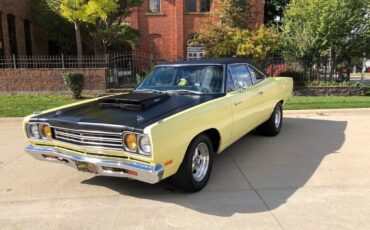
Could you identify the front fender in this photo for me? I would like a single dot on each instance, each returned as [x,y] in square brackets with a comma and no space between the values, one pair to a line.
[172,136]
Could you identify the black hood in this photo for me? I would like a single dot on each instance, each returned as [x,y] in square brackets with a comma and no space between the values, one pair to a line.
[133,111]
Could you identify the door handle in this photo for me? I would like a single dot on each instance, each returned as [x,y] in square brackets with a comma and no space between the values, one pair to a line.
[260,92]
[237,103]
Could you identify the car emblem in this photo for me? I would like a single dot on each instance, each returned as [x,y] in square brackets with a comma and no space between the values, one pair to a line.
[139,118]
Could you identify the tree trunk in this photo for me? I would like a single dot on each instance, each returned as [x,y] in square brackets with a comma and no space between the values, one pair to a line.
[78,39]
[78,43]
[363,69]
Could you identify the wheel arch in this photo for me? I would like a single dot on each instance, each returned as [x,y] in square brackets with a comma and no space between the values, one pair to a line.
[215,137]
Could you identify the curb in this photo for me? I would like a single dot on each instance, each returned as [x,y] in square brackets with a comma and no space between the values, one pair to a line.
[327,112]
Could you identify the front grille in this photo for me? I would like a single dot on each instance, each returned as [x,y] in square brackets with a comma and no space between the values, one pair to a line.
[89,138]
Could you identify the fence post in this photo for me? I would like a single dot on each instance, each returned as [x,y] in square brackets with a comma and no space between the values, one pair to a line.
[63,66]
[107,60]
[14,62]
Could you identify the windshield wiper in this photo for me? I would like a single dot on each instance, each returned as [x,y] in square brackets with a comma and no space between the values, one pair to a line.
[148,90]
[184,91]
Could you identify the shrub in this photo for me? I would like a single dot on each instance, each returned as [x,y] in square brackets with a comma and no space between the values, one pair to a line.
[298,77]
[74,82]
[278,69]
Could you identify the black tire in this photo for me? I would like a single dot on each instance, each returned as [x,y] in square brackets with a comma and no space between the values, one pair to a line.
[270,127]
[186,178]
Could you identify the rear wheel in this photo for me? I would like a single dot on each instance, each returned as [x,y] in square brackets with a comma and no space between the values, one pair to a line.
[196,166]
[273,125]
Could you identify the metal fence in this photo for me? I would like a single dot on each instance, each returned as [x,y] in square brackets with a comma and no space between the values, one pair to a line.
[54,61]
[127,67]
[304,70]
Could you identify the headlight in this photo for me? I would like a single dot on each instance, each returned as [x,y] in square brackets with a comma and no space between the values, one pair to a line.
[33,131]
[130,142]
[144,144]
[45,131]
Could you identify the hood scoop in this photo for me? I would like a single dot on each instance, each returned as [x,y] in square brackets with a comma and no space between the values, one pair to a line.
[133,101]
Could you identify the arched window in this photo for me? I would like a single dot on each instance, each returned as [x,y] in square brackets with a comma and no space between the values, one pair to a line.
[194,51]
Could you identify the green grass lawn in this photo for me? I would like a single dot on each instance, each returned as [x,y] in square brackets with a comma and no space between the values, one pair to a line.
[328,102]
[19,105]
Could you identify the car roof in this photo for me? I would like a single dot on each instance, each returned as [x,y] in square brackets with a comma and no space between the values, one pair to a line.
[209,61]
[218,61]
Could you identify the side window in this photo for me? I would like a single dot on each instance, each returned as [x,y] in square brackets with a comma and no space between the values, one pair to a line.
[256,75]
[241,75]
[230,85]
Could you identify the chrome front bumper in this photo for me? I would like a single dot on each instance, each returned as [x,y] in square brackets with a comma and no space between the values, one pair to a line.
[104,166]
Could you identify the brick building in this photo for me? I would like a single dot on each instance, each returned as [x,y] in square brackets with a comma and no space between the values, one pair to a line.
[17,29]
[168,26]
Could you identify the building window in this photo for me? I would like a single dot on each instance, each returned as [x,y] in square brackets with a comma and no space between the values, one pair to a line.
[27,37]
[12,34]
[2,52]
[205,5]
[154,6]
[190,5]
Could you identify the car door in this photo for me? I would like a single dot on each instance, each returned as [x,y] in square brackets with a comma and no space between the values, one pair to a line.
[245,99]
[264,86]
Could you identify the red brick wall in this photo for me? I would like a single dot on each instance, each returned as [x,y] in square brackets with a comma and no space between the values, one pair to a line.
[172,26]
[49,79]
[20,9]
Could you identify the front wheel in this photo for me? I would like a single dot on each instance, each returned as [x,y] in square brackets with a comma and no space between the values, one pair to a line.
[273,125]
[196,166]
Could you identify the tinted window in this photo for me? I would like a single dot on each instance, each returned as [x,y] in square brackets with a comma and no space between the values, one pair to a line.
[190,6]
[241,75]
[256,75]
[230,85]
[205,5]
[1,36]
[27,36]
[12,34]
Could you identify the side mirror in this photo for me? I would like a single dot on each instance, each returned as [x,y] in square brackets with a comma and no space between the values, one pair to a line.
[241,86]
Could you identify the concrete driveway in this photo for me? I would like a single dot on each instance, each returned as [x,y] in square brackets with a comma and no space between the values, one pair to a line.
[314,175]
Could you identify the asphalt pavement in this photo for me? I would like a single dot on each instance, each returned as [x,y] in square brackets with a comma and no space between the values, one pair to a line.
[314,175]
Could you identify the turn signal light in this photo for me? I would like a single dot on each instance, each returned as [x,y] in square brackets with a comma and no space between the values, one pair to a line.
[46,132]
[130,142]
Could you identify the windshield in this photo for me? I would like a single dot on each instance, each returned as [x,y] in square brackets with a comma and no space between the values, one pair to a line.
[185,79]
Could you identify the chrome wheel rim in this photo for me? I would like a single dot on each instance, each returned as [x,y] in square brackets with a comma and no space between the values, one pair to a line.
[200,162]
[277,118]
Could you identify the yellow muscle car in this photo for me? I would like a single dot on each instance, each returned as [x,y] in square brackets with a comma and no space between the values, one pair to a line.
[171,125]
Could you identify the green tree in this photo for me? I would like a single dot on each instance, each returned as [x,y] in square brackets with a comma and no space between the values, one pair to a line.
[224,41]
[114,29]
[234,13]
[274,9]
[53,27]
[257,44]
[83,11]
[336,28]
[230,37]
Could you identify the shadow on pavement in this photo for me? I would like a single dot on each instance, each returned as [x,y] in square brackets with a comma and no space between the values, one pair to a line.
[279,164]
